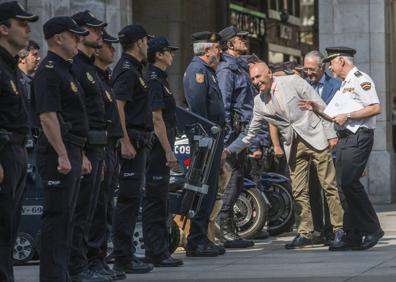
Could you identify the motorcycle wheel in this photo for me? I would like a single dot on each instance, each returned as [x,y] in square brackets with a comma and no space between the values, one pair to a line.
[281,211]
[250,213]
[174,236]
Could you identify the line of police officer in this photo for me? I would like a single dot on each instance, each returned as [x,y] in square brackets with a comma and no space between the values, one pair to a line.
[82,113]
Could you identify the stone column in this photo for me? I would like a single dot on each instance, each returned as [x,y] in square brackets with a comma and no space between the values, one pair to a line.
[364,25]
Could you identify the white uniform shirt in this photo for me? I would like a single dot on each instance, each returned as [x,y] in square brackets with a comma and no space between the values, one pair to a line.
[362,88]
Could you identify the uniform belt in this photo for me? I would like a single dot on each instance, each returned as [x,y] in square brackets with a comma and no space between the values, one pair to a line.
[75,139]
[97,137]
[17,139]
[345,132]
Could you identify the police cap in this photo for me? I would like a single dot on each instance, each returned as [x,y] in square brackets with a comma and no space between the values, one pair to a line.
[160,44]
[13,9]
[58,25]
[206,36]
[88,19]
[230,32]
[333,52]
[132,33]
[108,38]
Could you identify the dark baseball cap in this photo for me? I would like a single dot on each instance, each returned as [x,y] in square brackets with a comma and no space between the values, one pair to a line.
[333,52]
[108,38]
[132,33]
[160,44]
[230,32]
[88,19]
[58,25]
[206,36]
[13,9]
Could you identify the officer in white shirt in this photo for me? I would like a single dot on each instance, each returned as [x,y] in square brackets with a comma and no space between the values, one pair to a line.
[355,130]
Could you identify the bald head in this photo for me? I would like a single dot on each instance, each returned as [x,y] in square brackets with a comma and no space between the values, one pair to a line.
[261,76]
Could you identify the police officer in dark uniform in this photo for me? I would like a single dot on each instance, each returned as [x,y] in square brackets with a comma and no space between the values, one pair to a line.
[59,104]
[161,157]
[93,157]
[204,98]
[13,129]
[99,231]
[134,108]
[238,93]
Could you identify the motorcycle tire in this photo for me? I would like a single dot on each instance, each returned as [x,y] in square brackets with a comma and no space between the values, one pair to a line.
[174,236]
[281,211]
[250,213]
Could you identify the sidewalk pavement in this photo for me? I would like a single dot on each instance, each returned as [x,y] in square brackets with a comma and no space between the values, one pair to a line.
[269,261]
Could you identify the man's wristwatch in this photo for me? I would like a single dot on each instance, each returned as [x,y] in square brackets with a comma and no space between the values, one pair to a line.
[348,115]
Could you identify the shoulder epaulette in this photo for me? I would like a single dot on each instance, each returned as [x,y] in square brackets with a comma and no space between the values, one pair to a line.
[153,75]
[126,65]
[50,65]
[358,74]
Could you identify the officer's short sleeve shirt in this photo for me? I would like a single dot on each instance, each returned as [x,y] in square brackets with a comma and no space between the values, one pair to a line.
[361,88]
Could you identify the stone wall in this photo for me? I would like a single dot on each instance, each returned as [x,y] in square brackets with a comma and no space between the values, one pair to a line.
[365,26]
[177,20]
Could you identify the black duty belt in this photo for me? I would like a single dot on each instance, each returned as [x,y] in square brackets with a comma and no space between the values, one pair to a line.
[140,137]
[345,132]
[97,137]
[75,139]
[17,139]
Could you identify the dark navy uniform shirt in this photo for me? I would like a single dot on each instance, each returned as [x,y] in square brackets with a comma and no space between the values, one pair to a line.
[237,91]
[162,97]
[55,89]
[202,91]
[113,118]
[94,96]
[130,86]
[13,115]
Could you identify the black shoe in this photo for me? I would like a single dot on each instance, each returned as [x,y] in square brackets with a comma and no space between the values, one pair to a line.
[347,243]
[207,250]
[168,262]
[117,275]
[220,249]
[135,266]
[299,242]
[372,239]
[89,276]
[231,239]
[338,236]
[97,267]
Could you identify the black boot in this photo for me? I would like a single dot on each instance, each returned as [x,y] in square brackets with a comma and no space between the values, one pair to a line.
[230,238]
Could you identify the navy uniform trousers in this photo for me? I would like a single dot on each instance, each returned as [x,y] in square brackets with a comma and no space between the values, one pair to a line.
[60,198]
[100,229]
[155,203]
[128,202]
[352,153]
[235,185]
[13,158]
[85,209]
